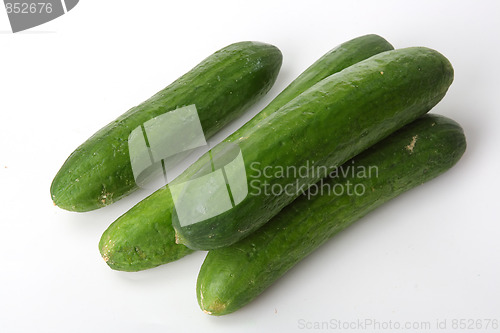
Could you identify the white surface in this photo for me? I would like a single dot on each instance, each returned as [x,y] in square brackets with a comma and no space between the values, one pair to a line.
[431,254]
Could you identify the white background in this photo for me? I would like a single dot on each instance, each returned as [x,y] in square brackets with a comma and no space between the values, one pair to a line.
[432,253]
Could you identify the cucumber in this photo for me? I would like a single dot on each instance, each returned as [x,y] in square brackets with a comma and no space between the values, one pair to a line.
[144,237]
[233,276]
[335,60]
[323,127]
[222,87]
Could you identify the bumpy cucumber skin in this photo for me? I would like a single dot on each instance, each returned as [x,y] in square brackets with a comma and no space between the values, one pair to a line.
[324,126]
[143,237]
[233,276]
[335,60]
[124,246]
[222,87]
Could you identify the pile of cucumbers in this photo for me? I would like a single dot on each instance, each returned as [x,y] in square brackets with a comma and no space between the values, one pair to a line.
[362,105]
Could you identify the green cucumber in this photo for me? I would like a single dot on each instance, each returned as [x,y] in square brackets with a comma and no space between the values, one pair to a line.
[323,127]
[144,237]
[233,276]
[222,87]
[335,60]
